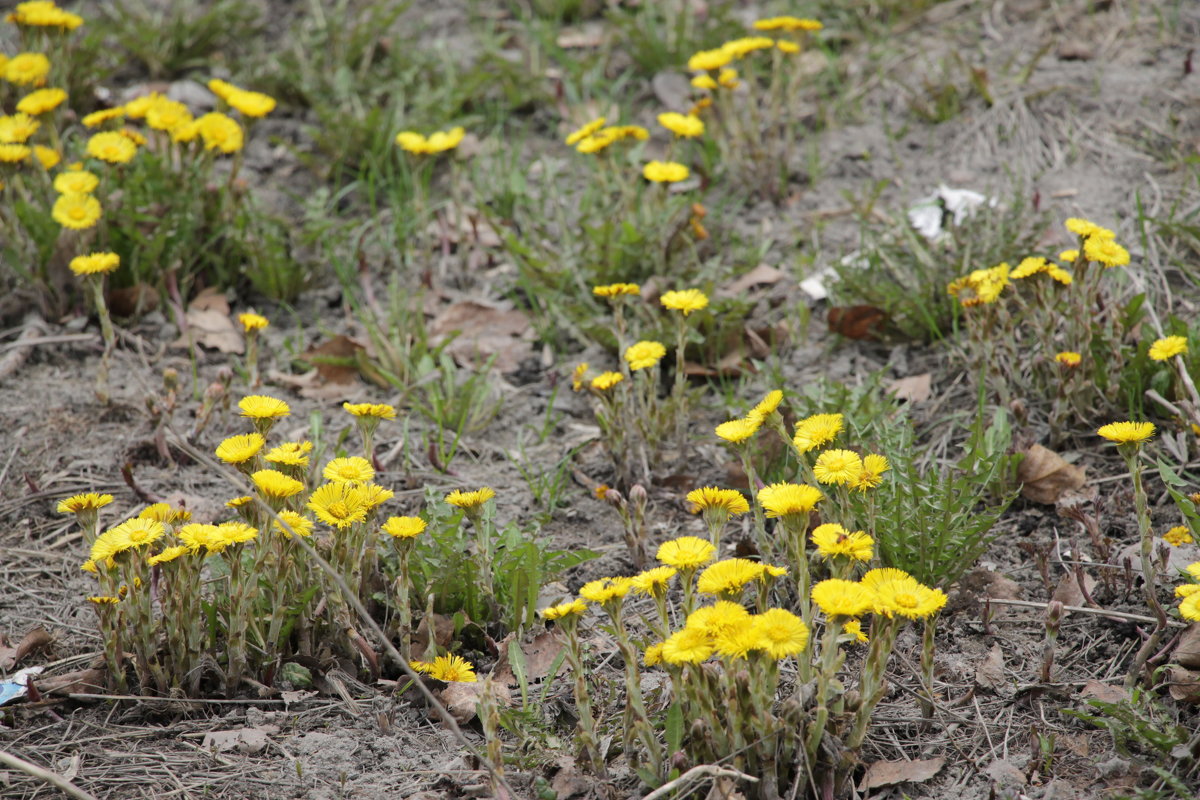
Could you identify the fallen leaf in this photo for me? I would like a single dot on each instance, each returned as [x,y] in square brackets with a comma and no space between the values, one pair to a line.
[336,360]
[1003,588]
[212,329]
[88,681]
[540,654]
[856,322]
[1103,691]
[568,782]
[211,299]
[457,226]
[989,673]
[141,298]
[1068,592]
[483,331]
[10,656]
[291,698]
[762,275]
[247,741]
[1187,652]
[1046,475]
[1183,684]
[914,388]
[889,773]
[1005,773]
[443,633]
[461,699]
[311,386]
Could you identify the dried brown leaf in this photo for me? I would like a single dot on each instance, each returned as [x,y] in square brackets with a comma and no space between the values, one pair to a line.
[484,331]
[247,741]
[1183,685]
[1187,652]
[1047,476]
[1103,691]
[914,388]
[336,360]
[989,673]
[889,773]
[762,275]
[11,655]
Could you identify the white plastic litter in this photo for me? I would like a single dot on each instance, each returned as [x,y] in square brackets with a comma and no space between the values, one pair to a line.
[17,684]
[930,214]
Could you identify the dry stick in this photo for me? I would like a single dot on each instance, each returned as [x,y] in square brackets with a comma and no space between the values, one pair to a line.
[52,778]
[242,485]
[695,774]
[1101,612]
[23,346]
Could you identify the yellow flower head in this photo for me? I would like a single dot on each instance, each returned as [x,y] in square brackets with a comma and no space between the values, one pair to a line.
[129,535]
[98,118]
[577,376]
[1168,347]
[871,474]
[709,498]
[1029,266]
[1068,358]
[1183,590]
[578,135]
[240,449]
[111,146]
[435,143]
[837,467]
[899,594]
[376,495]
[841,598]
[617,290]
[738,430]
[654,581]
[787,24]
[273,483]
[1179,535]
[786,46]
[252,322]
[736,642]
[166,115]
[259,406]
[575,607]
[781,633]
[665,172]
[84,502]
[448,668]
[833,540]
[653,655]
[985,285]
[75,211]
[300,525]
[729,576]
[44,14]
[1105,251]
[606,380]
[740,48]
[354,469]
[470,499]
[686,552]
[1086,229]
[133,136]
[167,555]
[682,125]
[685,301]
[709,60]
[728,78]
[13,153]
[597,141]
[239,502]
[164,513]
[27,69]
[17,128]
[220,132]
[222,89]
[290,454]
[376,410]
[704,81]
[688,646]
[1127,432]
[721,615]
[853,628]
[404,527]
[251,104]
[817,430]
[339,505]
[1189,609]
[644,354]
[48,157]
[76,182]
[783,499]
[767,406]
[197,536]
[95,264]
[104,600]
[139,107]
[236,532]
[606,589]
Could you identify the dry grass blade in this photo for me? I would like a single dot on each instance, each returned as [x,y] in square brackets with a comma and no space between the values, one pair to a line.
[52,778]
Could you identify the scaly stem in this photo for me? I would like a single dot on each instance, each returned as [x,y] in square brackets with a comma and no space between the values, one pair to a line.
[1149,582]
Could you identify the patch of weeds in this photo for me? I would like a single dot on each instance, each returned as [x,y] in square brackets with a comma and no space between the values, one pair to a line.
[661,36]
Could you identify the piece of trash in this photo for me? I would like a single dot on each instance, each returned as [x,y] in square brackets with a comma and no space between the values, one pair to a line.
[930,215]
[17,685]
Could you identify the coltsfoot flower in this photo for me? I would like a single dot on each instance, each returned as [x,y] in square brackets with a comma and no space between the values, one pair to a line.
[654,581]
[90,501]
[168,555]
[338,504]
[787,24]
[767,406]
[404,527]
[833,540]
[240,449]
[686,552]
[376,410]
[220,132]
[738,642]
[95,264]
[1087,229]
[899,594]
[817,431]
[1168,347]
[573,608]
[781,633]
[250,104]
[111,146]
[738,430]
[728,576]
[603,590]
[606,380]
[252,322]
[665,172]
[579,134]
[300,525]
[165,513]
[1179,535]
[1105,251]
[290,454]
[682,125]
[841,598]
[871,474]
[684,301]
[1068,358]
[782,499]
[709,60]
[258,406]
[472,499]
[129,535]
[354,469]
[448,668]
[439,142]
[76,182]
[27,69]
[1127,432]
[644,355]
[274,484]
[98,118]
[75,211]
[617,290]
[17,128]
[721,615]
[837,467]
[712,498]
[688,646]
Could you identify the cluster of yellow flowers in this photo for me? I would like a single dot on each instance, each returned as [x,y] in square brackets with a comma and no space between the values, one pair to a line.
[43,14]
[438,142]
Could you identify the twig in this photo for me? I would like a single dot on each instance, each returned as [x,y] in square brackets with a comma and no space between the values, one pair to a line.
[34,340]
[21,348]
[1102,612]
[153,700]
[52,778]
[695,774]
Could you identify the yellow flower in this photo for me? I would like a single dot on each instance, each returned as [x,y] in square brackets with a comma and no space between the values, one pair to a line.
[728,78]
[574,607]
[164,513]
[1127,432]
[111,146]
[841,598]
[682,125]
[167,555]
[644,354]
[338,504]
[290,454]
[737,430]
[596,142]
[259,406]
[688,646]
[196,536]
[837,466]
[782,499]
[376,410]
[448,668]
[239,502]
[236,532]
[375,495]
[251,104]
[1168,347]
[577,376]
[720,616]
[95,264]
[616,290]
[854,628]
[97,118]
[240,449]
[832,540]
[899,594]
[221,89]
[665,172]
[704,81]
[252,322]
[220,132]
[1086,230]
[1105,251]
[90,566]
[817,430]
[766,406]
[273,483]
[653,581]
[685,301]
[166,115]
[728,576]
[404,527]
[737,641]
[129,535]
[17,128]
[985,285]
[470,499]
[25,69]
[354,469]
[76,211]
[791,48]
[709,60]
[739,48]
[686,552]
[788,24]
[605,589]
[653,655]
[104,601]
[606,380]
[133,136]
[1177,536]
[1193,570]
[436,143]
[578,135]
[44,14]
[1183,590]
[48,157]
[707,498]
[84,502]
[1068,358]
[1189,609]
[871,474]
[781,633]
[1027,267]
[76,182]
[13,153]
[300,525]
